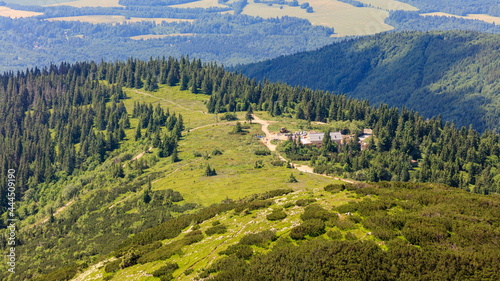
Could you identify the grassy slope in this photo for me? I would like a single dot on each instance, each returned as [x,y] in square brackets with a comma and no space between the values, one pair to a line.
[237,178]
[200,255]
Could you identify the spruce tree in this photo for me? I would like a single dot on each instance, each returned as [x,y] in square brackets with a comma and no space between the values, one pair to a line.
[138,134]
[174,156]
[248,115]
[292,179]
[146,197]
[209,171]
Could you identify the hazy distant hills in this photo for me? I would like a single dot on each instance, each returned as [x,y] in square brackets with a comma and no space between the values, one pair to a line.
[41,32]
[455,74]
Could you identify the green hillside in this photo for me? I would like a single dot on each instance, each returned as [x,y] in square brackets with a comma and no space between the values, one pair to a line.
[452,74]
[457,7]
[152,170]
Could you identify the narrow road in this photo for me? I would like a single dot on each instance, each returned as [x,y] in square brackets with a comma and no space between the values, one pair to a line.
[269,136]
[272,147]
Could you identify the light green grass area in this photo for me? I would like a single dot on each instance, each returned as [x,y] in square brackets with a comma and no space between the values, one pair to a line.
[190,106]
[237,177]
[294,125]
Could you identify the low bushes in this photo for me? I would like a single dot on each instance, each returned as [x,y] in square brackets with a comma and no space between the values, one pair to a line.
[312,227]
[216,229]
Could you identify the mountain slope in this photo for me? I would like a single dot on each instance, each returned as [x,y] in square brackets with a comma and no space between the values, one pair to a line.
[385,231]
[125,171]
[454,74]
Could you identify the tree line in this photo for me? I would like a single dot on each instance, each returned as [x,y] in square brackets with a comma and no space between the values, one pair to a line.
[40,42]
[459,157]
[393,69]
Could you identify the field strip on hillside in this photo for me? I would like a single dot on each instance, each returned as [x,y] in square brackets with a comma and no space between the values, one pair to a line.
[200,4]
[89,3]
[159,36]
[389,5]
[481,17]
[11,13]
[344,18]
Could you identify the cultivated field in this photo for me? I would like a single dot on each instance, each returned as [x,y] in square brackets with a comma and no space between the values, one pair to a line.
[35,2]
[8,12]
[200,4]
[346,19]
[482,17]
[88,3]
[115,19]
[389,5]
[159,36]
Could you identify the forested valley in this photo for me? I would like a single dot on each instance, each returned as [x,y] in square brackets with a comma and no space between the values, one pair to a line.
[201,33]
[210,34]
[459,7]
[453,74]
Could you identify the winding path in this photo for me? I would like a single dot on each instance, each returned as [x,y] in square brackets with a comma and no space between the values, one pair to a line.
[272,147]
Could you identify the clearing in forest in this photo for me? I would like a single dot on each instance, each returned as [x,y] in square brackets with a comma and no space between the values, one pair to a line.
[95,19]
[159,36]
[205,4]
[346,19]
[88,3]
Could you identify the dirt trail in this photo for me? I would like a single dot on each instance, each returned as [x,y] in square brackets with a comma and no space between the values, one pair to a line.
[225,241]
[138,156]
[60,209]
[270,136]
[90,270]
[213,124]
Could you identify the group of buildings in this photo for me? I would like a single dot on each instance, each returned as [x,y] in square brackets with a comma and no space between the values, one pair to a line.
[316,139]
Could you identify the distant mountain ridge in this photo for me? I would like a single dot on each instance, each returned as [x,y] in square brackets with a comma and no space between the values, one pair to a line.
[454,73]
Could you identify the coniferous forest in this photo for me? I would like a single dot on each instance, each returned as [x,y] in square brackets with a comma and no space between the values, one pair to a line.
[70,120]
[197,32]
[56,119]
[453,74]
[129,152]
